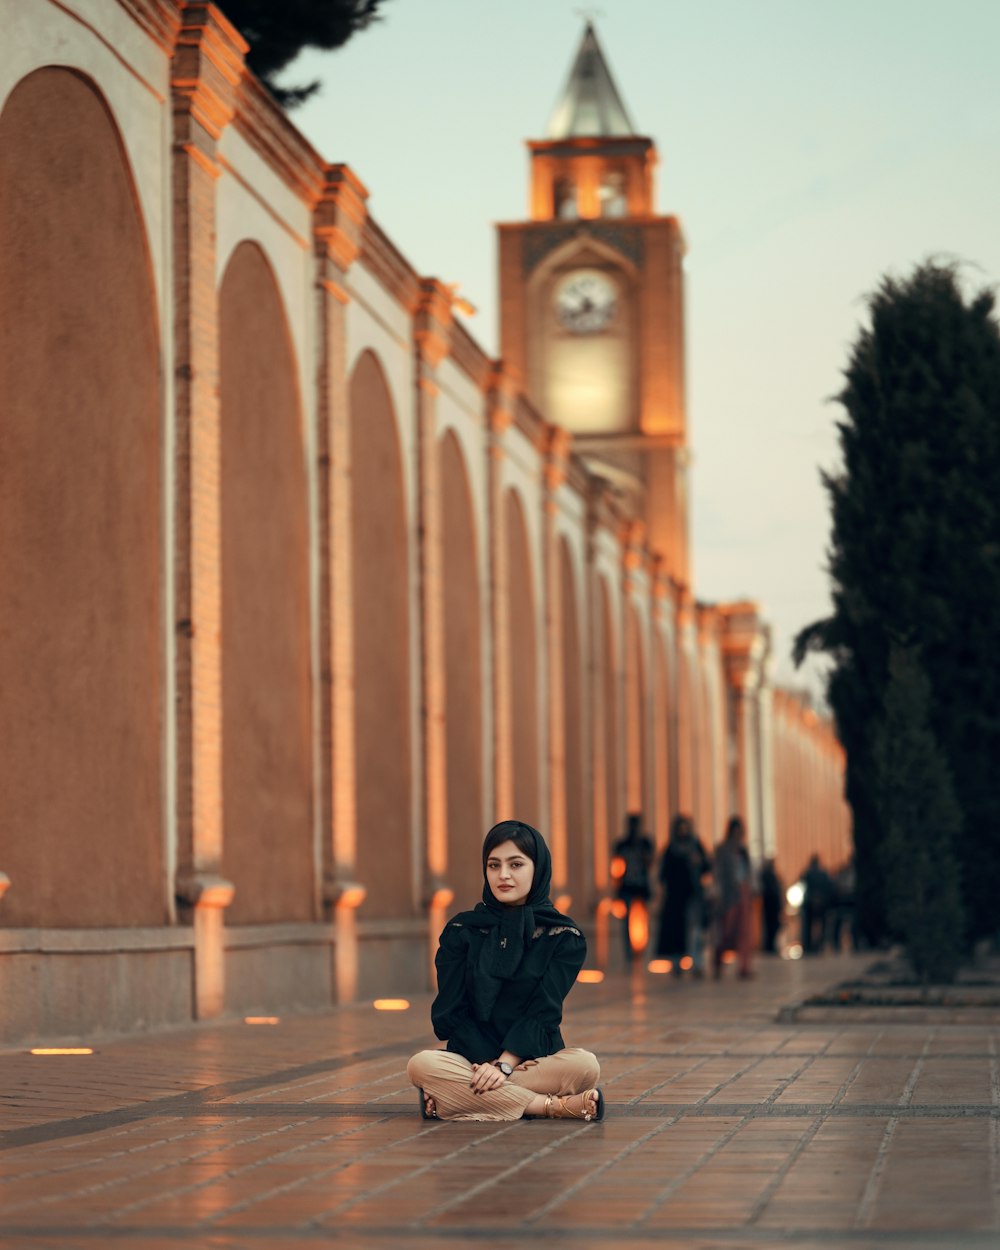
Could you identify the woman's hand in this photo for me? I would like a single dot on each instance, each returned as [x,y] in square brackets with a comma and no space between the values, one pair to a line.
[486,1077]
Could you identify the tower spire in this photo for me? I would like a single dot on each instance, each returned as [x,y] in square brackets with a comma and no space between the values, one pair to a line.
[590,104]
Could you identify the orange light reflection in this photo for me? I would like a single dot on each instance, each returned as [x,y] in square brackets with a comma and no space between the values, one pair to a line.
[660,965]
[590,976]
[391,1004]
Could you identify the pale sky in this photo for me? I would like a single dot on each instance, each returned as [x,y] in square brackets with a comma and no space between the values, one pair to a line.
[807,146]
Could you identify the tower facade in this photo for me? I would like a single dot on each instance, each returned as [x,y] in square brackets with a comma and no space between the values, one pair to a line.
[592,302]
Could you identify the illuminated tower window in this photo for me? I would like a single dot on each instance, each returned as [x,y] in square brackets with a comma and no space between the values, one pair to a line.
[614,201]
[564,198]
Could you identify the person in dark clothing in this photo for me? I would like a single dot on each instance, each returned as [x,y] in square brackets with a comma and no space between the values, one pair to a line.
[683,866]
[631,861]
[815,902]
[844,907]
[772,898]
[504,970]
[733,883]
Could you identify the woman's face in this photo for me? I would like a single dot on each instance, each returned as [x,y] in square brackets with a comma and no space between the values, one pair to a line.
[509,873]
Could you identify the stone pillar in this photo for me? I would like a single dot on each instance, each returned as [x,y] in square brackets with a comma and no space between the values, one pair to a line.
[557,451]
[501,399]
[744,646]
[338,228]
[685,696]
[431,334]
[663,735]
[205,75]
[594,751]
[768,836]
[634,769]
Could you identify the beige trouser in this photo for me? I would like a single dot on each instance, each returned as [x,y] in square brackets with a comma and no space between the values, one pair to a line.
[446,1076]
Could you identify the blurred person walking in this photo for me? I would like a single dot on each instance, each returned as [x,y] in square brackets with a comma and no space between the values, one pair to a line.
[683,866]
[772,897]
[631,860]
[733,890]
[815,905]
[844,906]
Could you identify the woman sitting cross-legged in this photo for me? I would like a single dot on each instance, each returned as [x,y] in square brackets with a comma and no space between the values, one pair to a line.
[503,972]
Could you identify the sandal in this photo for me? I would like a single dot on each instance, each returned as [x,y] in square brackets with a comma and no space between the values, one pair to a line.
[557,1106]
[424,1113]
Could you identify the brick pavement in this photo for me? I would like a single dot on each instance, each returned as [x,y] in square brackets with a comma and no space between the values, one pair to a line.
[725,1128]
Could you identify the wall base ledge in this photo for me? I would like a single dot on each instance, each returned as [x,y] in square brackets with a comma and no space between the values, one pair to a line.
[82,941]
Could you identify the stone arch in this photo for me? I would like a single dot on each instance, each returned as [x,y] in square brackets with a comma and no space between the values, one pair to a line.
[589,380]
[463,673]
[267,778]
[571,693]
[380,584]
[81,634]
[522,636]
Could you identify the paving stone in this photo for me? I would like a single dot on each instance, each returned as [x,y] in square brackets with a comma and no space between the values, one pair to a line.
[726,1128]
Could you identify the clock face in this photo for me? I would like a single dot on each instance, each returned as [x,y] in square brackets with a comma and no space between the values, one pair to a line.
[585,302]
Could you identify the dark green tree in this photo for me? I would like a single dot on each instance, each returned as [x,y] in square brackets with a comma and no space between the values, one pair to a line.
[915,560]
[277,33]
[921,823]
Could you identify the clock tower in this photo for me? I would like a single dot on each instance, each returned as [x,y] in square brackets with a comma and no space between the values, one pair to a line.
[591,301]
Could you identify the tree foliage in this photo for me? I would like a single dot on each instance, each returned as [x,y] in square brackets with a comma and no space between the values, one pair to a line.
[921,823]
[915,560]
[277,33]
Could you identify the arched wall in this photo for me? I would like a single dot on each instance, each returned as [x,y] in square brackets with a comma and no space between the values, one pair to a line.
[381,610]
[268,850]
[523,639]
[571,691]
[81,640]
[463,673]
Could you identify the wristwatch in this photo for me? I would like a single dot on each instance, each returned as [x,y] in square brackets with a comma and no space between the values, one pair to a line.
[504,1067]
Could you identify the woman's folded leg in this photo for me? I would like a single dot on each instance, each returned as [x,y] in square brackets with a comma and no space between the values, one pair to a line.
[446,1078]
[569,1071]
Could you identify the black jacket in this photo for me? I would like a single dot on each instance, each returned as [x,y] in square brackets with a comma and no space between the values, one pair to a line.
[527,1014]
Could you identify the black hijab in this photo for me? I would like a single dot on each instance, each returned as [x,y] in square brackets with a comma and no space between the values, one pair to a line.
[510,928]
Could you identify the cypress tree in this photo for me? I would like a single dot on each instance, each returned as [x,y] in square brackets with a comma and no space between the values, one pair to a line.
[921,823]
[915,560]
[277,33]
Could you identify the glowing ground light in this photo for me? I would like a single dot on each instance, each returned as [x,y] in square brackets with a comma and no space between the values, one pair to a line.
[262,1019]
[729,957]
[794,952]
[590,976]
[391,1004]
[61,1050]
[687,963]
[660,965]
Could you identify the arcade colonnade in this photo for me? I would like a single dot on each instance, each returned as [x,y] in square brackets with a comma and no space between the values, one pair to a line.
[299,593]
